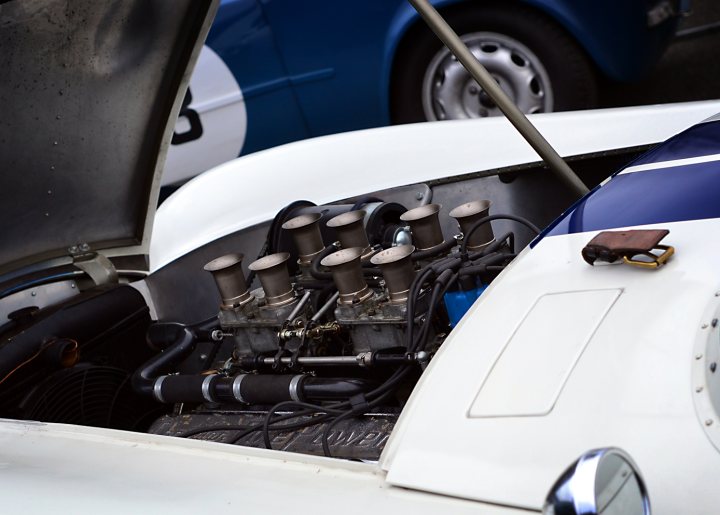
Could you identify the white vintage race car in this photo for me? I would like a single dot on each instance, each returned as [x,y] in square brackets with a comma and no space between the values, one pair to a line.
[407,340]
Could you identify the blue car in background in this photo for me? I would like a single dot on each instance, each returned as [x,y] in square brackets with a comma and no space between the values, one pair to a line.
[276,71]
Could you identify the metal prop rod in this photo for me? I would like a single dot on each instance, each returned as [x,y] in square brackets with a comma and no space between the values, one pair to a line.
[446,34]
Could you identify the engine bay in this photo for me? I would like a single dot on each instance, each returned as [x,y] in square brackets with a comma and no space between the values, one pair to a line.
[314,347]
[306,333]
[351,306]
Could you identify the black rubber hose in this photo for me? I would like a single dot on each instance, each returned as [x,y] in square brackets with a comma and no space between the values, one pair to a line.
[445,246]
[488,219]
[499,242]
[490,259]
[440,286]
[415,287]
[315,267]
[254,388]
[143,380]
[442,268]
[489,266]
[203,330]
[434,300]
[325,411]
[328,428]
[162,335]
[310,410]
[327,389]
[183,388]
[450,263]
[268,389]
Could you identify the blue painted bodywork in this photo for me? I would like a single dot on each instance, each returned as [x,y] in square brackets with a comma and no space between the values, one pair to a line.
[321,67]
[675,194]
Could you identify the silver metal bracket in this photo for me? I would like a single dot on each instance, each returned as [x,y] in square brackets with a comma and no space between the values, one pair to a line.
[98,267]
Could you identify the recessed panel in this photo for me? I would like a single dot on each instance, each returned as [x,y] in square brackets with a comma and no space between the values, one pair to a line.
[529,374]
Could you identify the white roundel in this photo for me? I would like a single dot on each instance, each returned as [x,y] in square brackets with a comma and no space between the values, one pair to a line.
[212,124]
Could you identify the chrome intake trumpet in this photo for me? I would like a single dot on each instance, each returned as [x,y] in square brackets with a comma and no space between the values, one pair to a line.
[351,232]
[274,277]
[424,226]
[397,270]
[230,281]
[305,230]
[347,275]
[467,215]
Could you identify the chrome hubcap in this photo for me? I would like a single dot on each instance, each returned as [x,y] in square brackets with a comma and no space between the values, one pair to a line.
[449,93]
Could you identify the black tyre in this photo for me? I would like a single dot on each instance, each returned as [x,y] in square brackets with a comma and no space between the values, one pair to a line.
[534,60]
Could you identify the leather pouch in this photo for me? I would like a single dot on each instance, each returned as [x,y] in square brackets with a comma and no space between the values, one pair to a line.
[609,246]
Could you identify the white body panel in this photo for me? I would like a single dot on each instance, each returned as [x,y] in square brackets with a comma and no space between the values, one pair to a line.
[54,468]
[631,387]
[251,189]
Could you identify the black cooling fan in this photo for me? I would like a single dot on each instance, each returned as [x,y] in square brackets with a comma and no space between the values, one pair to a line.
[90,395]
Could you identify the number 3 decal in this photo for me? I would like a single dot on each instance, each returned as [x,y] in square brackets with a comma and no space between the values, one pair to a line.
[212,122]
[196,129]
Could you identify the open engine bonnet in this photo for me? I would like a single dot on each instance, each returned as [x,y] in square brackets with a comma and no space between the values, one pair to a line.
[90,93]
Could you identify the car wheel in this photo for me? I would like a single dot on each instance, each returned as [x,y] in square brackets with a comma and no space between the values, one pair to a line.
[536,63]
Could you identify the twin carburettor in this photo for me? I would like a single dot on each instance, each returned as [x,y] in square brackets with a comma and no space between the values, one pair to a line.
[335,337]
[368,311]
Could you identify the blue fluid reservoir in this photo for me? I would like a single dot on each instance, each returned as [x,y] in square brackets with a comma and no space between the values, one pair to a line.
[458,302]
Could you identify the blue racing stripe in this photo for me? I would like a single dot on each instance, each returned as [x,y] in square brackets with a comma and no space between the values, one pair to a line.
[699,140]
[690,192]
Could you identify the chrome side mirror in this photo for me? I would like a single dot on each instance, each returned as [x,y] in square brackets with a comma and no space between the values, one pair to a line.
[600,482]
